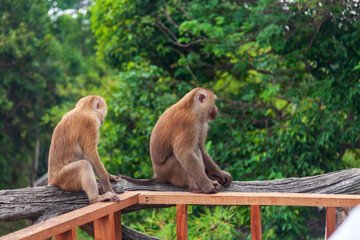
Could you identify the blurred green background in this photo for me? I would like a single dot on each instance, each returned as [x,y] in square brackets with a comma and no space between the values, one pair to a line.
[286,74]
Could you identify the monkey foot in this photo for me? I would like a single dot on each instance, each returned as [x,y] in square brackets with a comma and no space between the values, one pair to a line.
[108,196]
[213,187]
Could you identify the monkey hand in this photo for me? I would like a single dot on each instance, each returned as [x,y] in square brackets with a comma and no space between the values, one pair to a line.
[113,178]
[225,178]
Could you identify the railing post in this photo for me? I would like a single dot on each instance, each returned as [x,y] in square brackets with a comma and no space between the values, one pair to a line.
[330,221]
[104,228]
[68,235]
[181,222]
[255,222]
[117,223]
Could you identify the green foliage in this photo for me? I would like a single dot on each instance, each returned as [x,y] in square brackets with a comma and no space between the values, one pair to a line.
[203,222]
[45,67]
[286,77]
[29,73]
[7,227]
[134,107]
[47,63]
[56,5]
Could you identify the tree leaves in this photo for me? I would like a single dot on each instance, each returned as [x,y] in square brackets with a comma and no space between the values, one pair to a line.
[286,77]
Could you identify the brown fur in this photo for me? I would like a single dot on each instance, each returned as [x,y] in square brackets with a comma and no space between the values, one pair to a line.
[73,156]
[177,145]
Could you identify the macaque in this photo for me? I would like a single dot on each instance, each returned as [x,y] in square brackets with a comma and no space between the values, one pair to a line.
[73,156]
[177,145]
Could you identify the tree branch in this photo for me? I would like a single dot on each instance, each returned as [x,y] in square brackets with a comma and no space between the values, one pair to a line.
[40,203]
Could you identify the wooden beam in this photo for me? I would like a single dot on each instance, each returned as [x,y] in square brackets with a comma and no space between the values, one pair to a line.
[104,228]
[244,198]
[181,222]
[117,223]
[67,221]
[68,235]
[255,222]
[330,221]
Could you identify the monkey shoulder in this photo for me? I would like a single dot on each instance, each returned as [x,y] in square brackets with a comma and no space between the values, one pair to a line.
[75,123]
[87,119]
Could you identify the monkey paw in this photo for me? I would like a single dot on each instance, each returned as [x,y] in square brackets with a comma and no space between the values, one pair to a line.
[225,178]
[111,196]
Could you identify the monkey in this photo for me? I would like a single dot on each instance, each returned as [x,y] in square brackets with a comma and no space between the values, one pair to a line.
[73,156]
[177,146]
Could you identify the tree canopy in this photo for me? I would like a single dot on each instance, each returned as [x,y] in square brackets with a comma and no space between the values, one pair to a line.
[286,74]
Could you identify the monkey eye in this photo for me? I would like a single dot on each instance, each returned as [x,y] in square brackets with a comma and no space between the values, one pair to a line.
[201,97]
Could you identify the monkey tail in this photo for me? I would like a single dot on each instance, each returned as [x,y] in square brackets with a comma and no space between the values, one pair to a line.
[145,182]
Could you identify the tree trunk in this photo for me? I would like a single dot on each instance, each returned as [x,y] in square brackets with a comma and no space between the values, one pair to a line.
[45,202]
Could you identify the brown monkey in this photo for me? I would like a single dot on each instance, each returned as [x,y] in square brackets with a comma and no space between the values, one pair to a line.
[177,145]
[73,156]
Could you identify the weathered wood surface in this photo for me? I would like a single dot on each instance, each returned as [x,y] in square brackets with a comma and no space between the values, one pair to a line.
[41,203]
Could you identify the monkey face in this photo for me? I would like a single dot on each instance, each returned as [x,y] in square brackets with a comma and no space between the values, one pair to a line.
[213,113]
[205,104]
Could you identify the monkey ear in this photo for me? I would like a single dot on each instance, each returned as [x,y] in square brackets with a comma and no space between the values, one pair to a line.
[97,103]
[201,97]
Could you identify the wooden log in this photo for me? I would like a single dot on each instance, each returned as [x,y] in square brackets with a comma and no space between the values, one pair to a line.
[42,203]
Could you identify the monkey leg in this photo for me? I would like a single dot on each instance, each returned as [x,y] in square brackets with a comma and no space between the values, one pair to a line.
[171,171]
[79,175]
[193,164]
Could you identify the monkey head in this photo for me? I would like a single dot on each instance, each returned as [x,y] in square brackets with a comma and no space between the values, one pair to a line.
[95,103]
[205,103]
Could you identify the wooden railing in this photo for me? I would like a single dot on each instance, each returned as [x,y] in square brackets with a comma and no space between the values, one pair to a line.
[107,215]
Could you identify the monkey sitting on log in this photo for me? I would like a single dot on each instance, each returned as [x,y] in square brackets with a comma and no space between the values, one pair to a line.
[177,146]
[73,156]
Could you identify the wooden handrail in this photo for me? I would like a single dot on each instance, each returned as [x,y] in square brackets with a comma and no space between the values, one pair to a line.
[71,220]
[244,198]
[107,215]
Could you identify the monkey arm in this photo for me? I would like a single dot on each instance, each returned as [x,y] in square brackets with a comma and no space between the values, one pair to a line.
[101,172]
[192,164]
[191,161]
[90,152]
[212,168]
[210,164]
